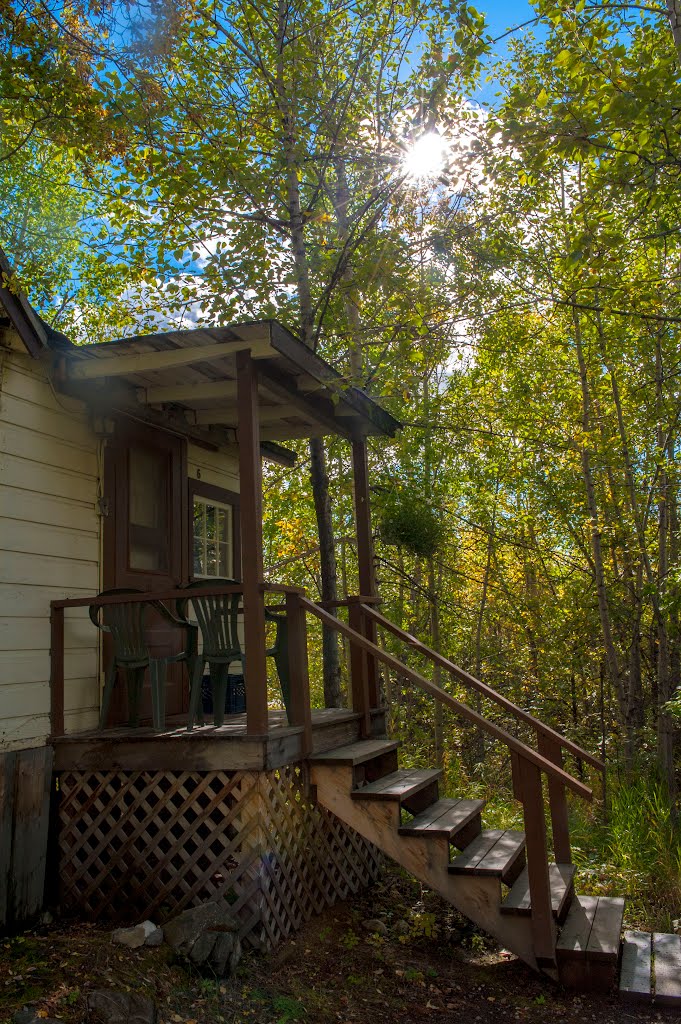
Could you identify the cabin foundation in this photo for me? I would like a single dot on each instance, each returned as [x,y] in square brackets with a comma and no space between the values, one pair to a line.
[149,844]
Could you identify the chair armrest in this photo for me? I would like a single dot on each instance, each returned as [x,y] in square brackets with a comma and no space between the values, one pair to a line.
[93,612]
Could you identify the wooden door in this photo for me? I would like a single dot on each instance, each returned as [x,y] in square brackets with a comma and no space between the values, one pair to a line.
[145,541]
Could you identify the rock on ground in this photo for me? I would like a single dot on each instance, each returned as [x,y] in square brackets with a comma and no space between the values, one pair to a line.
[30,1016]
[375,926]
[114,1007]
[145,934]
[207,934]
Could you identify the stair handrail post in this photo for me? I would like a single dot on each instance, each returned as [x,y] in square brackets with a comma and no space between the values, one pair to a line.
[300,709]
[560,825]
[542,921]
[359,668]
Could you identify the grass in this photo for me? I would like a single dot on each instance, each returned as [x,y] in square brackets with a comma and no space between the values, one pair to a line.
[636,853]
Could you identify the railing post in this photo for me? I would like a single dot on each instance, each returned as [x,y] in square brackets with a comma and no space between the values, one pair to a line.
[551,750]
[250,476]
[543,924]
[359,669]
[301,713]
[56,671]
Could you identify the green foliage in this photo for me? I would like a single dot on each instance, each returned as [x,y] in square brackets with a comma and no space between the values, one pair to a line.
[637,853]
[407,521]
[288,1009]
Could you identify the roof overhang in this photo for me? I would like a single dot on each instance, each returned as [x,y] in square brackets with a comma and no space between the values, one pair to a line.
[21,314]
[188,378]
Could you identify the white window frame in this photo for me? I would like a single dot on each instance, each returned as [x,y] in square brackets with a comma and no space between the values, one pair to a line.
[229,509]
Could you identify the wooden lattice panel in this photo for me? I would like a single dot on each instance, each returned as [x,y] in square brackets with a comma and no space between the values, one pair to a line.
[149,844]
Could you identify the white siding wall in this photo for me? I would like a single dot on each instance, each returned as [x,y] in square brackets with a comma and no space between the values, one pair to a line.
[217,468]
[49,548]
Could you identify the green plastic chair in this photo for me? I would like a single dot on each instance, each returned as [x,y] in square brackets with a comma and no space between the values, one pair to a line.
[125,623]
[218,619]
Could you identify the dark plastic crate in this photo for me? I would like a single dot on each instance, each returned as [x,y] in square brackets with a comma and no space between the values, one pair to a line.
[235,697]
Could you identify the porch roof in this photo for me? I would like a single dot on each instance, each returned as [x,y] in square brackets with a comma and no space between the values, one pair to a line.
[191,376]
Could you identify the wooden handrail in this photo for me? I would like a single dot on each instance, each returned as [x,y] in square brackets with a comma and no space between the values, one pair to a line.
[515,745]
[168,595]
[487,691]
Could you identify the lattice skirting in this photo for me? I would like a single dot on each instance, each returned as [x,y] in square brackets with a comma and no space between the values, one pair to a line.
[134,845]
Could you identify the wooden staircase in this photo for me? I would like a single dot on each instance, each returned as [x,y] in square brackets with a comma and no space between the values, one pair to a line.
[504,881]
[483,873]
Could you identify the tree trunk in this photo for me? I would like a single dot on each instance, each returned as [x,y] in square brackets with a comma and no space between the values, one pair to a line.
[318,471]
[665,722]
[674,15]
[611,657]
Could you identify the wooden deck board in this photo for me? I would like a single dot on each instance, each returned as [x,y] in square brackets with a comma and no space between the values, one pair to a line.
[518,900]
[397,785]
[667,959]
[604,940]
[574,936]
[356,753]
[475,851]
[207,747]
[445,817]
[636,973]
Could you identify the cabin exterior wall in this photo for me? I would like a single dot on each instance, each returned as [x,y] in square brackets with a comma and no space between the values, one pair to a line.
[219,469]
[50,546]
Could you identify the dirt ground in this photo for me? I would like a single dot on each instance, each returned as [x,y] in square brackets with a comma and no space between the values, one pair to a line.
[430,966]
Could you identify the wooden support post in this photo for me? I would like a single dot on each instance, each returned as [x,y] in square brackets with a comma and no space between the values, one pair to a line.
[365,554]
[301,713]
[250,478]
[359,675]
[552,751]
[56,672]
[543,924]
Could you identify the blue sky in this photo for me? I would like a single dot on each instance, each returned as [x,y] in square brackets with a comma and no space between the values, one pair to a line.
[502,15]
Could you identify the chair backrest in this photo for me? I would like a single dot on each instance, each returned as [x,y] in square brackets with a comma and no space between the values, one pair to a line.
[125,623]
[218,619]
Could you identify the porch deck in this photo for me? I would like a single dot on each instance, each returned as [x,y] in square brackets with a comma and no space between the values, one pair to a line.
[209,748]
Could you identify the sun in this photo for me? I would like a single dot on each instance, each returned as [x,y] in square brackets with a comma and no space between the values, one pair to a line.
[426,157]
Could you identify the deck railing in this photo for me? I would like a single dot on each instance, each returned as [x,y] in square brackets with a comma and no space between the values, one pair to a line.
[299,707]
[527,765]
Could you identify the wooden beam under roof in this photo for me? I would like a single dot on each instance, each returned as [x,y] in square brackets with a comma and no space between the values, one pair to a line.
[162,359]
[312,407]
[268,414]
[185,394]
[287,432]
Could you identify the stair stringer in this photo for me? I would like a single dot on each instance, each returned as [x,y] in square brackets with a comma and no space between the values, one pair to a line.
[427,858]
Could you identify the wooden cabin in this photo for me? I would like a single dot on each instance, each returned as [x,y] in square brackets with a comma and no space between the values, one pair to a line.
[131,470]
[118,460]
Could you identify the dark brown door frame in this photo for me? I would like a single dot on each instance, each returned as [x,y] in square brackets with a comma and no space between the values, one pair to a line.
[116,567]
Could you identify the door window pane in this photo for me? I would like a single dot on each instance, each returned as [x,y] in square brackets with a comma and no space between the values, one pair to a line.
[148,541]
[213,546]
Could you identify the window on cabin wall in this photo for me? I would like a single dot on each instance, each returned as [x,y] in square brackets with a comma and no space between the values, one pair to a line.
[213,539]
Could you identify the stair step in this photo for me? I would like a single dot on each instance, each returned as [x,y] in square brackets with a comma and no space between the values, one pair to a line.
[574,935]
[560,879]
[667,966]
[494,852]
[444,818]
[588,946]
[399,785]
[355,753]
[604,941]
[636,972]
